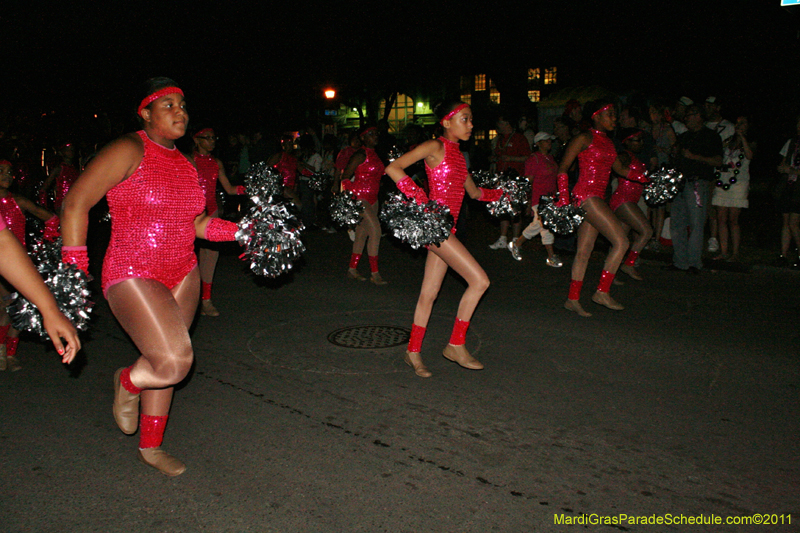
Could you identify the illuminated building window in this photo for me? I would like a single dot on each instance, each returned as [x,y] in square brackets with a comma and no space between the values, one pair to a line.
[401,113]
[480,82]
[534,74]
[550,76]
[494,94]
[479,135]
[466,98]
[492,134]
[534,96]
[466,84]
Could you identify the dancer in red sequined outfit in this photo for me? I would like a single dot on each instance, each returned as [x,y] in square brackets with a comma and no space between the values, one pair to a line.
[63,176]
[210,170]
[17,268]
[150,274]
[625,200]
[286,163]
[597,157]
[448,178]
[12,212]
[366,169]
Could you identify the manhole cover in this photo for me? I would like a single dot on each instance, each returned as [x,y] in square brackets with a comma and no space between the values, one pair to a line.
[369,337]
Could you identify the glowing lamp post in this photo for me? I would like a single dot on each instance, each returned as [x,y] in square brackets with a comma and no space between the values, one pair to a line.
[330,94]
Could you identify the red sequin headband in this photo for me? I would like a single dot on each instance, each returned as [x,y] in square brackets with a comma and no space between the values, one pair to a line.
[366,131]
[156,95]
[6,162]
[204,130]
[452,113]
[607,106]
[632,135]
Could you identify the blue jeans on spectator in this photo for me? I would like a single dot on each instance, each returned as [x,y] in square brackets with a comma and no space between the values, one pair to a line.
[686,213]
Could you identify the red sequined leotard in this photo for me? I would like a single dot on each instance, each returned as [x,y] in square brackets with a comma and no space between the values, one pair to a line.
[628,191]
[287,166]
[446,181]
[208,171]
[13,217]
[152,219]
[67,176]
[595,168]
[367,179]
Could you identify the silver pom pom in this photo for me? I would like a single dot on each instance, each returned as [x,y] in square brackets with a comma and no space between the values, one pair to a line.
[346,209]
[319,181]
[44,252]
[516,192]
[70,288]
[263,182]
[562,220]
[664,185]
[417,224]
[394,153]
[270,234]
[487,180]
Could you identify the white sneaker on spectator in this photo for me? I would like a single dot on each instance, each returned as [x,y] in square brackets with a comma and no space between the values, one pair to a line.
[713,245]
[514,249]
[554,262]
[500,243]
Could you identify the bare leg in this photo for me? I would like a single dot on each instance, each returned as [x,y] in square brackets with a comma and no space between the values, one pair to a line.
[207,260]
[158,321]
[632,216]
[451,253]
[599,220]
[722,228]
[736,231]
[794,228]
[786,237]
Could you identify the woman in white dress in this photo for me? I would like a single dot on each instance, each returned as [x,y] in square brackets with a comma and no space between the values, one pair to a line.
[731,189]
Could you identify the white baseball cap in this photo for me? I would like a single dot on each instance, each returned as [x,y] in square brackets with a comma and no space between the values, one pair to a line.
[542,136]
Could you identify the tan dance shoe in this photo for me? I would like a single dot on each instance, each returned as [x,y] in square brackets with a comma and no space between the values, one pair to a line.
[126,407]
[353,274]
[376,279]
[3,360]
[414,360]
[162,461]
[207,308]
[630,270]
[460,355]
[13,363]
[605,299]
[576,307]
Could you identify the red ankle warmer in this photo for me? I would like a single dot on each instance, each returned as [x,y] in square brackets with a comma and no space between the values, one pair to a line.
[459,335]
[127,384]
[415,342]
[11,346]
[605,281]
[151,430]
[354,259]
[373,263]
[3,333]
[575,289]
[206,290]
[631,259]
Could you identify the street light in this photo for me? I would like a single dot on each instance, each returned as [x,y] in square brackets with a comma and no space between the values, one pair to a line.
[330,94]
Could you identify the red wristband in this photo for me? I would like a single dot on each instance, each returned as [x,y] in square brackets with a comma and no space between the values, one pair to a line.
[490,195]
[218,230]
[76,255]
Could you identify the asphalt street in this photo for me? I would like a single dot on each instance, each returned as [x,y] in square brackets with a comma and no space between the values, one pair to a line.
[684,404]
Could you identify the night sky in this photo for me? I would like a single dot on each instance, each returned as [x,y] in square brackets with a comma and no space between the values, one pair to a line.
[237,57]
